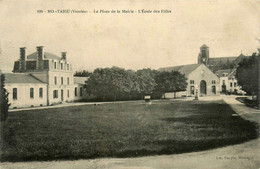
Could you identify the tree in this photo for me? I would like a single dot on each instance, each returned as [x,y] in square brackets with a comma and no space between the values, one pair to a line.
[97,83]
[4,99]
[109,82]
[82,73]
[247,75]
[117,82]
[172,81]
[146,81]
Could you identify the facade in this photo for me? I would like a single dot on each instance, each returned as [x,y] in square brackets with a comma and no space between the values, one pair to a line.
[228,82]
[224,68]
[219,63]
[41,78]
[200,79]
[25,91]
[79,90]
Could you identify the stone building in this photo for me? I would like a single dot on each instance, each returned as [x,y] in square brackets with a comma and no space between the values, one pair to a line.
[224,68]
[211,75]
[199,78]
[219,63]
[41,78]
[228,81]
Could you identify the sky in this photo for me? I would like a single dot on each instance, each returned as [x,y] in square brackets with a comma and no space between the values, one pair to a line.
[133,40]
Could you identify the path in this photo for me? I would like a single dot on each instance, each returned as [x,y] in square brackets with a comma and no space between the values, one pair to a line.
[241,156]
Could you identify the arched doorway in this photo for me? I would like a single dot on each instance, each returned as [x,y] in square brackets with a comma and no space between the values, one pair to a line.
[203,87]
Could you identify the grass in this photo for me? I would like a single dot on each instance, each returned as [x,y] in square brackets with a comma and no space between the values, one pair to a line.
[127,129]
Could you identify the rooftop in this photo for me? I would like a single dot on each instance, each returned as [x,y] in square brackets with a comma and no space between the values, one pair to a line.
[220,73]
[184,69]
[47,55]
[21,78]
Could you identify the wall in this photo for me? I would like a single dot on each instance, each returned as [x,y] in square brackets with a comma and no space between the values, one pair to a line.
[230,88]
[199,74]
[85,95]
[59,86]
[23,95]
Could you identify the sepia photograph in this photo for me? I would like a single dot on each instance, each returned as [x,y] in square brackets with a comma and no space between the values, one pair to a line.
[127,84]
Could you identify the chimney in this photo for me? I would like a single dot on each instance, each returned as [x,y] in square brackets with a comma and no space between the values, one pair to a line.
[22,61]
[63,55]
[40,55]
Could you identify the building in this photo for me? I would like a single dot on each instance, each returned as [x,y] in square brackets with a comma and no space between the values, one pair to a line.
[219,63]
[200,79]
[224,68]
[41,78]
[80,92]
[228,81]
[210,76]
[25,90]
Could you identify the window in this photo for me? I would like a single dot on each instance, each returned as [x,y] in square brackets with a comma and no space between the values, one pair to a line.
[31,93]
[81,91]
[55,94]
[213,89]
[55,80]
[191,81]
[230,84]
[68,80]
[14,93]
[55,65]
[192,90]
[203,53]
[76,91]
[41,92]
[61,66]
[68,67]
[68,93]
[223,82]
[213,82]
[235,84]
[61,79]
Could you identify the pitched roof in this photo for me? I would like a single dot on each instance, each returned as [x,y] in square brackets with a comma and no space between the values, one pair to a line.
[21,78]
[184,69]
[232,73]
[222,60]
[204,46]
[47,55]
[239,59]
[220,72]
[80,80]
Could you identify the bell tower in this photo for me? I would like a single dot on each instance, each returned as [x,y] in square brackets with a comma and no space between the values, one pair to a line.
[203,55]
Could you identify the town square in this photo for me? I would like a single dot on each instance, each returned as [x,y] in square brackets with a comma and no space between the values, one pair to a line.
[161,85]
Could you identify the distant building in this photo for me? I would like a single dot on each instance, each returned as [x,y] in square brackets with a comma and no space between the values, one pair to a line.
[80,92]
[219,63]
[228,81]
[211,75]
[199,78]
[224,68]
[41,78]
